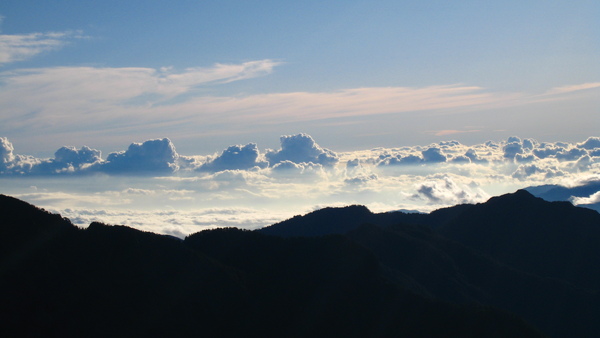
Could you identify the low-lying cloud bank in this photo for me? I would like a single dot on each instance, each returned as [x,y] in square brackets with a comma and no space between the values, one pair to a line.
[159,157]
[298,177]
[527,158]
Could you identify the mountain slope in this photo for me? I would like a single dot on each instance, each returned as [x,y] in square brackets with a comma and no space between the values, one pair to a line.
[550,239]
[117,281]
[516,252]
[429,264]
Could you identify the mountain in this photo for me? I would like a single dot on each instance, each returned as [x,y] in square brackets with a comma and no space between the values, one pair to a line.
[552,192]
[535,258]
[551,239]
[60,280]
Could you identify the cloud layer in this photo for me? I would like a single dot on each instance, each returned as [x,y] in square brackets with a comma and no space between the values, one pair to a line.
[521,159]
[298,177]
[101,102]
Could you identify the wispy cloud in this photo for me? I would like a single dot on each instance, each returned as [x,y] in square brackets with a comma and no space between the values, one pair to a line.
[447,132]
[573,88]
[87,101]
[24,46]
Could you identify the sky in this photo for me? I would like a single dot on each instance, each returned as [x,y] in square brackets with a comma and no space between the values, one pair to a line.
[246,112]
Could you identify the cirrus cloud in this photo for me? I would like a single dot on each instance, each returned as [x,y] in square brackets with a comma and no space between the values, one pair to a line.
[19,47]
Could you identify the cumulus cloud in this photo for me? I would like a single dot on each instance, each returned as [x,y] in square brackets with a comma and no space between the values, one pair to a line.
[433,155]
[14,164]
[539,172]
[472,155]
[361,179]
[512,148]
[68,160]
[572,154]
[153,156]
[590,144]
[6,153]
[546,150]
[235,157]
[298,171]
[399,160]
[301,148]
[296,182]
[445,191]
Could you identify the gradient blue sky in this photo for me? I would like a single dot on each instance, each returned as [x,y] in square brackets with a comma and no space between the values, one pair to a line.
[353,74]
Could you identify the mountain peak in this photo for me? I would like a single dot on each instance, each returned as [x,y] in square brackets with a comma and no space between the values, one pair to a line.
[331,220]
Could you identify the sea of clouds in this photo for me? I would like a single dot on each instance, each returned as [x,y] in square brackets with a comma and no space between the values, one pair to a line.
[152,187]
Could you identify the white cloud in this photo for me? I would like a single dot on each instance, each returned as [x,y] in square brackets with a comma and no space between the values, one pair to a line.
[301,148]
[235,157]
[444,191]
[170,203]
[6,153]
[590,144]
[152,156]
[592,199]
[21,47]
[433,155]
[573,88]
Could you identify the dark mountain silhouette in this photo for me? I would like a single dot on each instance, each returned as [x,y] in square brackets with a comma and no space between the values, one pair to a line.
[329,221]
[425,262]
[550,239]
[59,280]
[517,252]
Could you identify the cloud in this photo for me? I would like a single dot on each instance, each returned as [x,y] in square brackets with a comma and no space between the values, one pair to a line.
[21,47]
[512,148]
[153,156]
[446,132]
[446,192]
[592,199]
[150,193]
[307,171]
[68,160]
[573,88]
[6,153]
[546,150]
[235,157]
[472,155]
[127,85]
[301,148]
[361,179]
[538,172]
[94,101]
[179,223]
[572,154]
[433,155]
[14,164]
[590,144]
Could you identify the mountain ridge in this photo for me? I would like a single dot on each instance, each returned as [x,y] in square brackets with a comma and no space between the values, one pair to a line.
[336,271]
[117,281]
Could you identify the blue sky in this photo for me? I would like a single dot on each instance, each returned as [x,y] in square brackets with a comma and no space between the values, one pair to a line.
[511,51]
[362,78]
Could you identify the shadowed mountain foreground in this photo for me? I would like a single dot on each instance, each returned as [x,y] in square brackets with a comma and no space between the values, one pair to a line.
[509,267]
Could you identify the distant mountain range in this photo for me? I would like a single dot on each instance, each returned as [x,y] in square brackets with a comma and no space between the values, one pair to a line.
[515,266]
[553,192]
